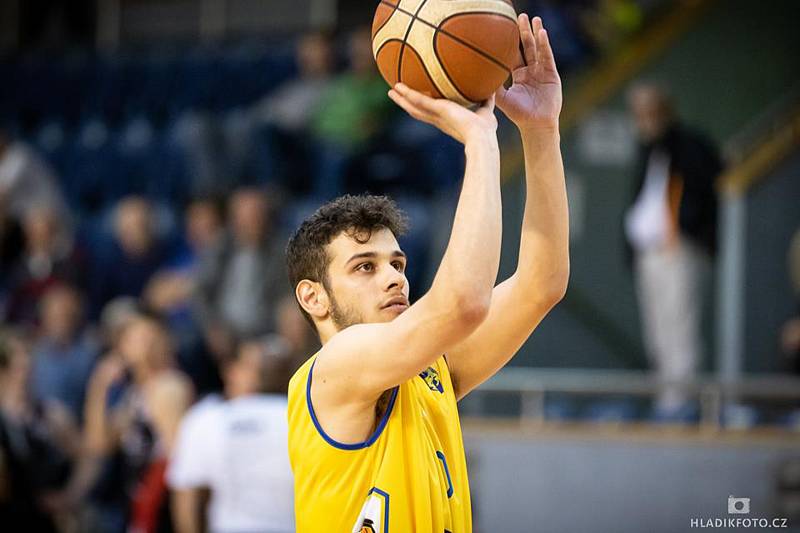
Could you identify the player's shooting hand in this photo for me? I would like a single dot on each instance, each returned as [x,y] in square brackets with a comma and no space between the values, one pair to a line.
[456,121]
[534,99]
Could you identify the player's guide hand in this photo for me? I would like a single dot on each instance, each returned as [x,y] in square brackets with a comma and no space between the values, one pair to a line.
[534,99]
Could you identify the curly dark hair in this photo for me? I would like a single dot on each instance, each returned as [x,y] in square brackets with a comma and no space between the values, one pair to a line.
[359,216]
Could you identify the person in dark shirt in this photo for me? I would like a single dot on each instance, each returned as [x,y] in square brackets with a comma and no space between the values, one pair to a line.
[48,258]
[37,443]
[670,227]
[134,255]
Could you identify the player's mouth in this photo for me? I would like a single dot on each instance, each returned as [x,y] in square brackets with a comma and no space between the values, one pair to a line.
[398,304]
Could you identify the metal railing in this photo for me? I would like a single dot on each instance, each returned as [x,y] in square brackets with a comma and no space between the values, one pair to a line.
[758,149]
[534,385]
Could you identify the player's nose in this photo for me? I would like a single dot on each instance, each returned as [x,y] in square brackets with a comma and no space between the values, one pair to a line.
[395,279]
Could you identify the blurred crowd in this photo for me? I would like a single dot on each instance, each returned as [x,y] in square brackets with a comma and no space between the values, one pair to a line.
[105,348]
[147,326]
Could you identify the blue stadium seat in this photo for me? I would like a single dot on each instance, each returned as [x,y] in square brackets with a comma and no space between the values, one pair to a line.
[93,161]
[611,411]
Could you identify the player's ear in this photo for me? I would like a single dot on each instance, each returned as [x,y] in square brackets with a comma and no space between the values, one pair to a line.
[313,298]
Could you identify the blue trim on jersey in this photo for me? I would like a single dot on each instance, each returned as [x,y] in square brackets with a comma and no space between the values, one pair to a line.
[340,445]
[385,506]
[441,457]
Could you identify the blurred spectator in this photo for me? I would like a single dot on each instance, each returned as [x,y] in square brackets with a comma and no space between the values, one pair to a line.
[285,114]
[26,182]
[671,229]
[237,449]
[293,337]
[37,441]
[65,353]
[568,28]
[243,276]
[290,106]
[203,227]
[352,110]
[48,258]
[169,292]
[135,401]
[123,268]
[610,22]
[790,334]
[116,316]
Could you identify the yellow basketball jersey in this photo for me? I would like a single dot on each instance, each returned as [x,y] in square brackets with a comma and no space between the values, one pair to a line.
[410,476]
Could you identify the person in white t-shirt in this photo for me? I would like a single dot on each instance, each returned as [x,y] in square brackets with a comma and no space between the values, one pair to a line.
[671,228]
[236,448]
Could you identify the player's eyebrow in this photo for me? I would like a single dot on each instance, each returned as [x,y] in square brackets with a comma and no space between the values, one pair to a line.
[373,255]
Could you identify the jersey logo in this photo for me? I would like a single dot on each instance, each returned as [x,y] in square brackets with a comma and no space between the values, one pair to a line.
[431,378]
[374,516]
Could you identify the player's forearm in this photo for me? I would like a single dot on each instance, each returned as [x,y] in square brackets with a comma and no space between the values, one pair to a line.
[543,268]
[469,267]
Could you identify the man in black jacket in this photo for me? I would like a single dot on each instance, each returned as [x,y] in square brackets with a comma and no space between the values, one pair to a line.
[670,227]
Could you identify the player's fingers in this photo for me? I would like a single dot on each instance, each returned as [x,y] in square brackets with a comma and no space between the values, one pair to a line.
[419,100]
[411,109]
[536,29]
[546,58]
[527,38]
[500,96]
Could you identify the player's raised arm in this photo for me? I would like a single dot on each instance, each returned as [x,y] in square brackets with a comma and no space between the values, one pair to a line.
[533,103]
[361,362]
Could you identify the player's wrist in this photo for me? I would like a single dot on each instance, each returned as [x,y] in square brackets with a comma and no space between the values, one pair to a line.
[544,129]
[480,138]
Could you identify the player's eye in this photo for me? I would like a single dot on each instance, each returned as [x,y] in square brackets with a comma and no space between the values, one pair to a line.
[365,267]
[399,266]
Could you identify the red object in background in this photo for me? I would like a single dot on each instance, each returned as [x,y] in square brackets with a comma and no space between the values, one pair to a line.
[149,498]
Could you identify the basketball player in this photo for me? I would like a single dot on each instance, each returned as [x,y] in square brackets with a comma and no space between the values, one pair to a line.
[374,435]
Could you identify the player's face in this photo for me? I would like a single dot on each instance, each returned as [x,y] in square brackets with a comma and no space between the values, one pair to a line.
[367,280]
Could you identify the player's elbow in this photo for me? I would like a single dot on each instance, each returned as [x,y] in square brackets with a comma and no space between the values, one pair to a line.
[556,287]
[472,309]
[545,289]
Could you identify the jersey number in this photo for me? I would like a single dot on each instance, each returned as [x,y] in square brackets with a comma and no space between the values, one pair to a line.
[443,459]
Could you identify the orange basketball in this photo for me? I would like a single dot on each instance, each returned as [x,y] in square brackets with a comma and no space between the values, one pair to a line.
[462,50]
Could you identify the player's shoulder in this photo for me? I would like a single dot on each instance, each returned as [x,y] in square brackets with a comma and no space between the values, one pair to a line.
[298,380]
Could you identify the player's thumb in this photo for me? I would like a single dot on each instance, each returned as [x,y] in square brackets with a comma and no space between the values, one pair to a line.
[500,97]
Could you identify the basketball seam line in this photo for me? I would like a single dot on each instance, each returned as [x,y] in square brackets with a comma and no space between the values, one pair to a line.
[430,78]
[447,33]
[414,18]
[385,22]
[444,69]
[439,57]
[422,64]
